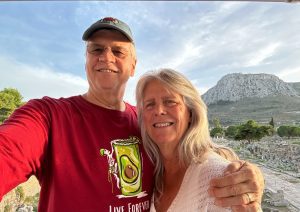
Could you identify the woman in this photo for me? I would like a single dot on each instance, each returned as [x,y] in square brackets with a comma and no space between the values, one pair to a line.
[174,126]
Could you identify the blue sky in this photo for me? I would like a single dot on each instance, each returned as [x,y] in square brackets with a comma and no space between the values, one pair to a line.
[42,54]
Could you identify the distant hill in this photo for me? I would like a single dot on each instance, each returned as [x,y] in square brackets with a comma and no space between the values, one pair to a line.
[239,97]
[296,86]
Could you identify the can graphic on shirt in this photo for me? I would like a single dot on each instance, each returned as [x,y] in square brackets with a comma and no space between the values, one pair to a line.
[129,165]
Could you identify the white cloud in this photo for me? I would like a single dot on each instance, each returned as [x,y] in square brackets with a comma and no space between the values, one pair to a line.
[191,51]
[36,82]
[290,75]
[201,89]
[261,54]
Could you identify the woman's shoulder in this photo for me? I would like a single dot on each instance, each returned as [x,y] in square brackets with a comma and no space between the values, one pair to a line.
[211,164]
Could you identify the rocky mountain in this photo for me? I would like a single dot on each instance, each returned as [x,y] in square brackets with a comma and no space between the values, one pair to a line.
[296,86]
[237,86]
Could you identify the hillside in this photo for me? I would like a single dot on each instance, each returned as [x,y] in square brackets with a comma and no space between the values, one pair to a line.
[284,110]
[239,97]
[237,86]
[296,86]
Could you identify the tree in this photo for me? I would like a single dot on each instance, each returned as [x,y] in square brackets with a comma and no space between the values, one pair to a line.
[231,131]
[251,131]
[8,208]
[216,123]
[217,131]
[33,201]
[272,122]
[288,131]
[295,131]
[266,130]
[283,131]
[20,195]
[10,99]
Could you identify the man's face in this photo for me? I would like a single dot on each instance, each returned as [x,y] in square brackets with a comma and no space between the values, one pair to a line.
[109,61]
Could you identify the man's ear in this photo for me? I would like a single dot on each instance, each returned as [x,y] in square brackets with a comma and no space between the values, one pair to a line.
[133,68]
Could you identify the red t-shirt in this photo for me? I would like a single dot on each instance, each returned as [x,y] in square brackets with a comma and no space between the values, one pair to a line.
[86,158]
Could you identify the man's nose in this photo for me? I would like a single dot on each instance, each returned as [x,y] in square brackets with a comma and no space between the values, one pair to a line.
[107,56]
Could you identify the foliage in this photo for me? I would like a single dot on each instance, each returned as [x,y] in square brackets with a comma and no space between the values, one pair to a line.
[216,123]
[288,131]
[232,131]
[32,200]
[217,131]
[8,208]
[251,131]
[20,194]
[272,122]
[10,99]
[21,201]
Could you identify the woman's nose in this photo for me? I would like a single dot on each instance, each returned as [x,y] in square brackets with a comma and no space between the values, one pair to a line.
[160,110]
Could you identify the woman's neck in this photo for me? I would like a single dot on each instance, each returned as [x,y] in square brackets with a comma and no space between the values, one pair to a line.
[172,179]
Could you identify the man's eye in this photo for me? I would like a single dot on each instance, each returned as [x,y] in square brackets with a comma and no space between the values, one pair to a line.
[119,53]
[97,50]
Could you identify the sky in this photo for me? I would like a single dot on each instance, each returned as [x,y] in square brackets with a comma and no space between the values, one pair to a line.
[42,53]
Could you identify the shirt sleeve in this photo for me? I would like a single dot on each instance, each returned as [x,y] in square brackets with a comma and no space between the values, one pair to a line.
[23,141]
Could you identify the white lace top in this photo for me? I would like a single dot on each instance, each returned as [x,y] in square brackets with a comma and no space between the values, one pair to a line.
[192,195]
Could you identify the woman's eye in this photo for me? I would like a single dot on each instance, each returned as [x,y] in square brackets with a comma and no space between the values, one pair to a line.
[149,106]
[170,102]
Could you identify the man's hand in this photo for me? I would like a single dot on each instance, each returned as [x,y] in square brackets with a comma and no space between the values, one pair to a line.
[241,187]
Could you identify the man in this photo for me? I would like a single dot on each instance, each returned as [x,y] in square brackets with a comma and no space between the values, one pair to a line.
[85,150]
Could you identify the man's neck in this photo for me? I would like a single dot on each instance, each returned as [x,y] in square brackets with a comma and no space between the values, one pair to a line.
[105,100]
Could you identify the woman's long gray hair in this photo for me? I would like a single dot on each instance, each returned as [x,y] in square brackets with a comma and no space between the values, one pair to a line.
[196,140]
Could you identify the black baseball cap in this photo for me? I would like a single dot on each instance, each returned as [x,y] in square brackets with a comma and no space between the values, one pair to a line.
[108,23]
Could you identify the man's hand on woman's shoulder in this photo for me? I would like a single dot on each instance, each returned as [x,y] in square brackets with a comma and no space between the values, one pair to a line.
[241,187]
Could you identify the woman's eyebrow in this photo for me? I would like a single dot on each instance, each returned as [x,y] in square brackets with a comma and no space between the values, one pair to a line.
[148,100]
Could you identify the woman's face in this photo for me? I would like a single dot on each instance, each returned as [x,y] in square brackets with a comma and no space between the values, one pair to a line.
[165,116]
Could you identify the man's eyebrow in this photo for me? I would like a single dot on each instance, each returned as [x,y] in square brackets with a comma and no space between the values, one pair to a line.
[120,48]
[94,44]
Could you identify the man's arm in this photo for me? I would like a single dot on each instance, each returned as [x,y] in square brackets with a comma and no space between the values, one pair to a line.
[241,187]
[23,140]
